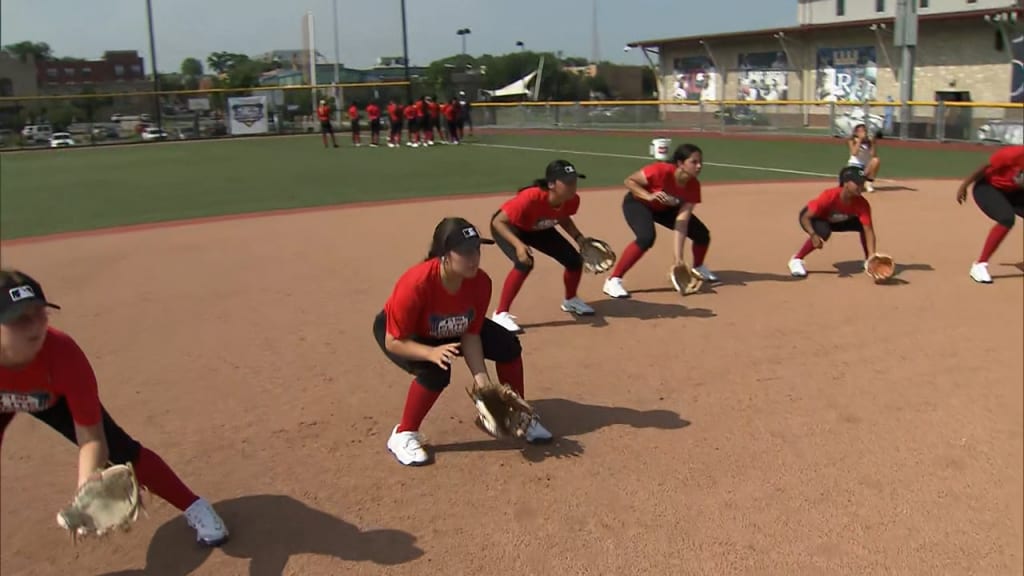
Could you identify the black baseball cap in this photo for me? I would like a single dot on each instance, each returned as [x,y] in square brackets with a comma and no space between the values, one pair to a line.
[562,170]
[19,292]
[458,235]
[852,174]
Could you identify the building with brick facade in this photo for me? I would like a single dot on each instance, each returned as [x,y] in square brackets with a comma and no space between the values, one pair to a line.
[116,71]
[843,51]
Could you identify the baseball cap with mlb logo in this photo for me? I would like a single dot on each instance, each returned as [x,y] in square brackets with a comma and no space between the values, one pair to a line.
[562,170]
[18,293]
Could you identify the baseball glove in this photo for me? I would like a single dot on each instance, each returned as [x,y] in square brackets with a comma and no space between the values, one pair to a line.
[502,412]
[103,503]
[597,255]
[880,267]
[685,280]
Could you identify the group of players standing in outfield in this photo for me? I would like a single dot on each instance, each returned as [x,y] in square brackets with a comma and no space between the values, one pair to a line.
[426,122]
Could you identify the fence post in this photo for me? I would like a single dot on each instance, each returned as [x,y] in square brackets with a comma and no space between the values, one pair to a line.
[940,121]
[832,119]
[700,115]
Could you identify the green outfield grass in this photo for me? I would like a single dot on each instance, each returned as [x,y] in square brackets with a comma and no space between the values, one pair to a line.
[72,190]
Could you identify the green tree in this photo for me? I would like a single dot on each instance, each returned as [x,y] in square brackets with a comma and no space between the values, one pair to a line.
[22,50]
[191,67]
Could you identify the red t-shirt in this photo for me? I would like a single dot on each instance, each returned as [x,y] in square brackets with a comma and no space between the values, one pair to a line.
[421,109]
[323,113]
[353,112]
[420,307]
[661,177]
[1006,169]
[449,112]
[530,210]
[394,112]
[373,112]
[410,111]
[829,206]
[59,370]
[433,107]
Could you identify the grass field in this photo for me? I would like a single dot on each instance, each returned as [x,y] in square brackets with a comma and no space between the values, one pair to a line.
[74,190]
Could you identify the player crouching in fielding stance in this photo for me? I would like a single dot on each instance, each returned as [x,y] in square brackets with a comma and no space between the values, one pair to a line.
[665,193]
[838,209]
[437,311]
[999,192]
[45,373]
[528,221]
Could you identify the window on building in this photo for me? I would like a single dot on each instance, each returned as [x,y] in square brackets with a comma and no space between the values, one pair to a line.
[879,5]
[972,1]
[51,72]
[924,4]
[840,7]
[69,72]
[1000,46]
[118,70]
[86,71]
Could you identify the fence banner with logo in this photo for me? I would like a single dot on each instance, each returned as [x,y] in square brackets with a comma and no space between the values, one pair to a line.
[248,115]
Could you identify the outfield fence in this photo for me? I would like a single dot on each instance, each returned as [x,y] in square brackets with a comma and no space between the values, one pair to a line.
[97,119]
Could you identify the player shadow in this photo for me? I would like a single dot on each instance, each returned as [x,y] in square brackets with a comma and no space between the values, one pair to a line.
[850,268]
[625,308]
[743,277]
[268,529]
[1017,265]
[894,188]
[566,418]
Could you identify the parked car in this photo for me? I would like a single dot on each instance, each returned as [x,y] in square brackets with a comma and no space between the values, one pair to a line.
[61,140]
[843,124]
[1002,132]
[37,133]
[151,134]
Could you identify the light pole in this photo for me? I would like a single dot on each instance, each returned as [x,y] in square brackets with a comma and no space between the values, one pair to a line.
[405,56]
[152,62]
[522,47]
[463,32]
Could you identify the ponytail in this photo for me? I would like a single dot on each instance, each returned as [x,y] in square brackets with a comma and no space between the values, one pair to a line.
[541,183]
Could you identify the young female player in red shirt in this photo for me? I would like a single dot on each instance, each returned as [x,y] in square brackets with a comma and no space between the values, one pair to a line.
[999,192]
[437,312]
[841,208]
[45,373]
[527,221]
[664,193]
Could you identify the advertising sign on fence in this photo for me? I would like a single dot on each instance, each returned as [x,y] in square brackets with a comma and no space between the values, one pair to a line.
[847,74]
[248,115]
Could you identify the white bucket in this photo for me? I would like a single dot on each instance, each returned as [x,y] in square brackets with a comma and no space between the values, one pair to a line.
[660,148]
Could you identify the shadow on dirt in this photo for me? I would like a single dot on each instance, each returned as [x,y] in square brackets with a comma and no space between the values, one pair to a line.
[268,530]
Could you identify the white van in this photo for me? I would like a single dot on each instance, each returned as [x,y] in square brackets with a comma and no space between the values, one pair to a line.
[37,133]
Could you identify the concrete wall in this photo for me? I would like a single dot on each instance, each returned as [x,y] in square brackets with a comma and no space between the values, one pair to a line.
[824,11]
[22,75]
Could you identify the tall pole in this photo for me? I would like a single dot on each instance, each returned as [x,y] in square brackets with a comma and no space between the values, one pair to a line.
[906,39]
[152,62]
[405,56]
[337,58]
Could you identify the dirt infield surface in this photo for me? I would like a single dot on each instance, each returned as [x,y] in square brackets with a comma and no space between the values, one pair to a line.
[770,426]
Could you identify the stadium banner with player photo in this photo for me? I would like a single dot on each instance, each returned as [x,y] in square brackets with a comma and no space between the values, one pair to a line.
[1017,75]
[248,115]
[847,74]
[695,79]
[763,76]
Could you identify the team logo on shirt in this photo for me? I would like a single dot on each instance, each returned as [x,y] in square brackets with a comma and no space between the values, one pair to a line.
[453,326]
[839,217]
[1019,178]
[545,224]
[24,401]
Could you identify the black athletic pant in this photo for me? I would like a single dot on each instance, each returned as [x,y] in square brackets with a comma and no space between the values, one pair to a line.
[326,128]
[998,205]
[122,447]
[548,241]
[499,345]
[396,129]
[641,220]
[355,127]
[375,129]
[825,228]
[453,128]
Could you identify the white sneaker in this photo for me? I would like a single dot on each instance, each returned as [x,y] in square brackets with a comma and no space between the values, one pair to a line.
[796,268]
[979,273]
[869,187]
[210,529]
[536,432]
[506,321]
[613,287]
[577,306]
[407,448]
[706,274]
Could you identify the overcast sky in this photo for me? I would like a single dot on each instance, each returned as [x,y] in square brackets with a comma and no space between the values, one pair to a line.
[370,28]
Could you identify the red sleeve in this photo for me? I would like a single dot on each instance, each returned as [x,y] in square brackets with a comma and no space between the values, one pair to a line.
[655,174]
[692,193]
[864,211]
[572,206]
[483,294]
[1008,157]
[518,210]
[76,381]
[816,205]
[404,309]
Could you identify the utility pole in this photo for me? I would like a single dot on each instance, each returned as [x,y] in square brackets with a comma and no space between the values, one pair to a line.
[152,62]
[906,39]
[405,56]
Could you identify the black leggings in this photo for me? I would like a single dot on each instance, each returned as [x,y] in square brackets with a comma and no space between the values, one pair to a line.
[998,205]
[122,447]
[825,228]
[641,220]
[452,129]
[396,127]
[499,345]
[547,241]
[375,127]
